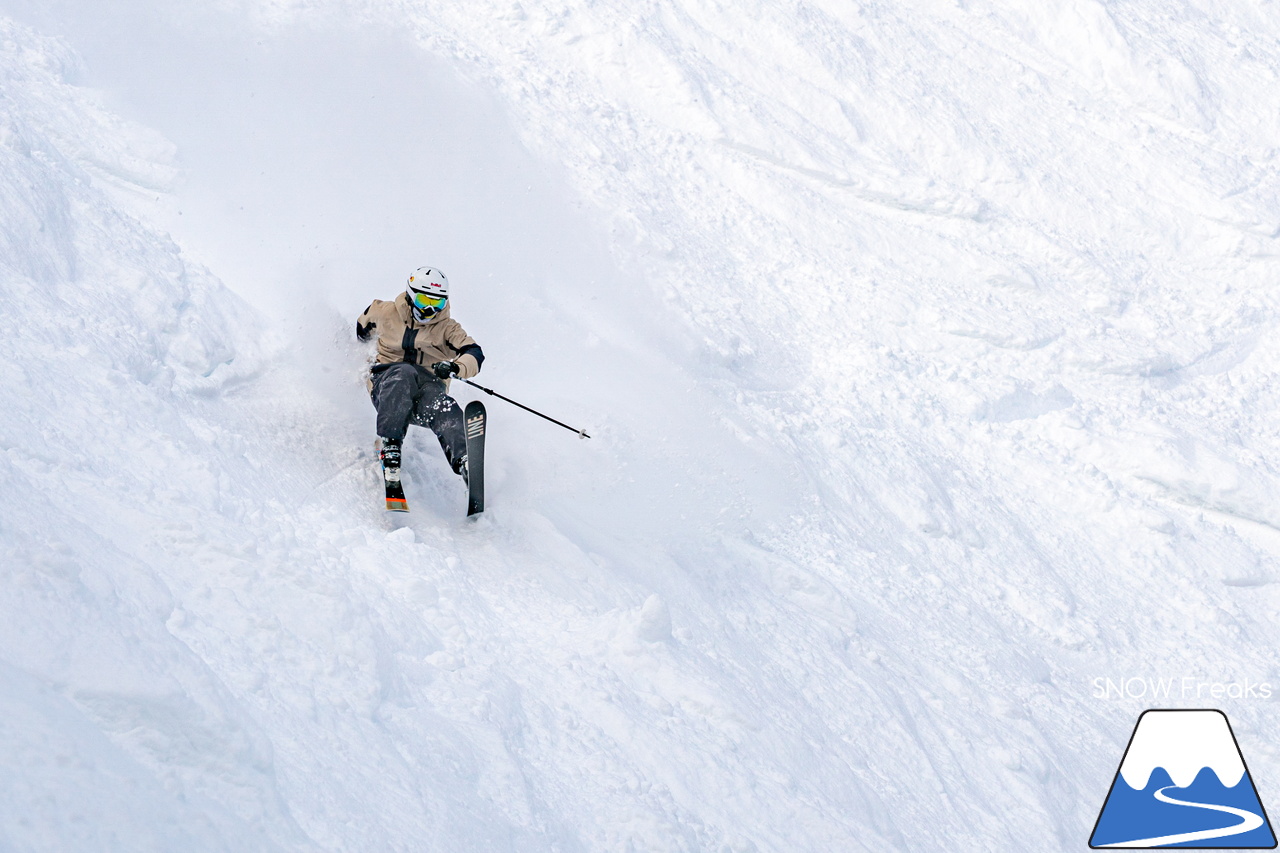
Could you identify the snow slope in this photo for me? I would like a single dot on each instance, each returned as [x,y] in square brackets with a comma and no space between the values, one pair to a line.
[926,350]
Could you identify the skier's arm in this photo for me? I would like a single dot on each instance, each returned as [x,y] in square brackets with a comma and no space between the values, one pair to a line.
[469,359]
[469,356]
[365,325]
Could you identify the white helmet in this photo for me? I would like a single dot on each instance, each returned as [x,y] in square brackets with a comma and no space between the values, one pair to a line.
[428,292]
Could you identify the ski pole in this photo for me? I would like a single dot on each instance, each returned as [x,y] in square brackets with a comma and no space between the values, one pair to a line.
[581,432]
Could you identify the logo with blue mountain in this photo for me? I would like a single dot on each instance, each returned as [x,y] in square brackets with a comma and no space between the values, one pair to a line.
[1183,783]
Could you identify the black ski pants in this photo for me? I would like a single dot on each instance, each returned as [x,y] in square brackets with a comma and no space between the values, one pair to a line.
[406,393]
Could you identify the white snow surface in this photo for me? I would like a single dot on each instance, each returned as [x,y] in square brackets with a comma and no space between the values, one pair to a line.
[928,351]
[1183,743]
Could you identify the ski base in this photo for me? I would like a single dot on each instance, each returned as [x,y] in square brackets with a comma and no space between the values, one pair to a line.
[475,418]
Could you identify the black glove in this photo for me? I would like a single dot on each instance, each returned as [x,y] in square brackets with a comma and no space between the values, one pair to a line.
[445,369]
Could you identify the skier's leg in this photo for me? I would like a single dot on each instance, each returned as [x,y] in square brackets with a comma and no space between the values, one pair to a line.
[395,391]
[440,413]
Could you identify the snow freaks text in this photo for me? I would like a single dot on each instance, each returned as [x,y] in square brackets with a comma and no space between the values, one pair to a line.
[1186,687]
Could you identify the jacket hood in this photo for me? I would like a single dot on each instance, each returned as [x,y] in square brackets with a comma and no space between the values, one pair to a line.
[405,310]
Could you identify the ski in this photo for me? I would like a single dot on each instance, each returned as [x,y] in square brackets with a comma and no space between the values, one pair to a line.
[475,418]
[395,497]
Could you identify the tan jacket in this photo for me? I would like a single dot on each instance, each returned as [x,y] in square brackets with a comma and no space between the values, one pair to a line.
[402,338]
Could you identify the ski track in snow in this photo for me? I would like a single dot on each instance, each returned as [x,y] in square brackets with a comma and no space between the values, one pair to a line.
[927,350]
[1248,822]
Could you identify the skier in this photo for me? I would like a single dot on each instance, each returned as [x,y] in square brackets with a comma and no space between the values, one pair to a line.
[420,347]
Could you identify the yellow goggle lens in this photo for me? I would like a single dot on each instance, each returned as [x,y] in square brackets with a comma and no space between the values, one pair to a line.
[422,300]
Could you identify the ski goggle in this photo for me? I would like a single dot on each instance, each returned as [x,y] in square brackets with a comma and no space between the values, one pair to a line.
[424,301]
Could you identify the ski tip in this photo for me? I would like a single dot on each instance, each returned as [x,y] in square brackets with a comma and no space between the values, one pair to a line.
[397,505]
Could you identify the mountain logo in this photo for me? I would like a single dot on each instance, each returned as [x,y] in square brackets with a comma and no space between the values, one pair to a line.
[1183,783]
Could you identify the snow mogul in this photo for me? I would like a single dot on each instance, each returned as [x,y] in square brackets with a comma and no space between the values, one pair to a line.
[420,348]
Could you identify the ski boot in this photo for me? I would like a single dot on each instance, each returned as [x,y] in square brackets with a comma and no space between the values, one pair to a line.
[390,455]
